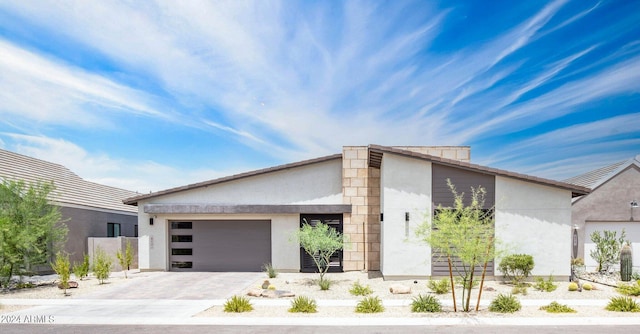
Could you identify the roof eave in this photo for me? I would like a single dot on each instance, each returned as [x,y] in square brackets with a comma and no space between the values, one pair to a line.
[575,190]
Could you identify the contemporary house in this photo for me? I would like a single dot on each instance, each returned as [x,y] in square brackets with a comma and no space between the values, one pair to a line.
[88,209]
[376,195]
[612,205]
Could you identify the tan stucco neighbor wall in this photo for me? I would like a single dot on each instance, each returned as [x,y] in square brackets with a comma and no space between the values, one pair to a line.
[608,203]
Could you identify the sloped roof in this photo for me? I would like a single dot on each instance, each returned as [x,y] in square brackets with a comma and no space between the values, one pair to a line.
[70,189]
[596,178]
[376,152]
[134,200]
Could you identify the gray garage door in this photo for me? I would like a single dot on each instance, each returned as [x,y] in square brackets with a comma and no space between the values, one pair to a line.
[220,245]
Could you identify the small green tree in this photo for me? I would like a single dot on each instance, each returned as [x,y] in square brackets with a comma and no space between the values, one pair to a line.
[607,251]
[31,230]
[81,270]
[320,242]
[464,232]
[101,265]
[62,267]
[125,259]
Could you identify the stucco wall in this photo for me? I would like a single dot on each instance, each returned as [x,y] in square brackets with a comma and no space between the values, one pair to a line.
[608,203]
[405,187]
[84,223]
[153,245]
[536,220]
[111,246]
[319,183]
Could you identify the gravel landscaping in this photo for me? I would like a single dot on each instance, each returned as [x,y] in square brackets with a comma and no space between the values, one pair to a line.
[397,305]
[338,302]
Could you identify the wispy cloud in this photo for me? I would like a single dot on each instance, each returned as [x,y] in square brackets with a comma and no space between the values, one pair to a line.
[100,167]
[294,80]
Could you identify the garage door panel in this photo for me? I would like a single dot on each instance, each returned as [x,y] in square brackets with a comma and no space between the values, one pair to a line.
[225,246]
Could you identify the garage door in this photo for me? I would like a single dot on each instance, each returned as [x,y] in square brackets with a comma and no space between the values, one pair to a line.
[217,245]
[631,230]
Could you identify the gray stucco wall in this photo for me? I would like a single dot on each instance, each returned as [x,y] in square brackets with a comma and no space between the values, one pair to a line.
[84,223]
[608,203]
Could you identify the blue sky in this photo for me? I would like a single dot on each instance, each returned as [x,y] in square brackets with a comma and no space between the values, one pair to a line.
[146,95]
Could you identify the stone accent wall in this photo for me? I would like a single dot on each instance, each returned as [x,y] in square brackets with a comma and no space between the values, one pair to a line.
[361,189]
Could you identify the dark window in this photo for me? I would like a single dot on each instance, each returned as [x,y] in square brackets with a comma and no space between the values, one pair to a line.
[135,231]
[182,238]
[181,264]
[181,225]
[113,230]
[181,251]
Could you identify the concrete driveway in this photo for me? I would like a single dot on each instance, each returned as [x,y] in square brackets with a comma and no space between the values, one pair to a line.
[150,297]
[178,286]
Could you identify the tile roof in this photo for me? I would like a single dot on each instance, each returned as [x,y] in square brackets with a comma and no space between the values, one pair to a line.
[134,200]
[376,150]
[71,190]
[595,178]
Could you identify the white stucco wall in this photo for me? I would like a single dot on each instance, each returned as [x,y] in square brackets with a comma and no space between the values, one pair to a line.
[319,183]
[153,246]
[405,185]
[632,234]
[535,219]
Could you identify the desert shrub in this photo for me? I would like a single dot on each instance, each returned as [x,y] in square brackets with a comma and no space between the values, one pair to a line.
[238,304]
[324,284]
[607,251]
[370,305]
[303,304]
[623,304]
[505,304]
[587,286]
[577,261]
[440,286]
[125,259]
[516,267]
[25,285]
[271,287]
[101,265]
[269,270]
[427,303]
[545,285]
[81,270]
[635,276]
[62,267]
[358,289]
[556,307]
[629,289]
[519,289]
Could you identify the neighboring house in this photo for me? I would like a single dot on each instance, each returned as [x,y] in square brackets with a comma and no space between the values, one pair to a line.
[612,205]
[88,209]
[375,195]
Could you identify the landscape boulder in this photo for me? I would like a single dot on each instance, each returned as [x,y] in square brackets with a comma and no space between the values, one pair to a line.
[399,289]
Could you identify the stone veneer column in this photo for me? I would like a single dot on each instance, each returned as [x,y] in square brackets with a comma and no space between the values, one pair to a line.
[361,189]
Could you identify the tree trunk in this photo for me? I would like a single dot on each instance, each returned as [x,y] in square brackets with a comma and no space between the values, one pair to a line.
[453,287]
[484,271]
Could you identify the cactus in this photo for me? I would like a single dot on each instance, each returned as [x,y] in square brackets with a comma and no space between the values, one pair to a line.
[626,263]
